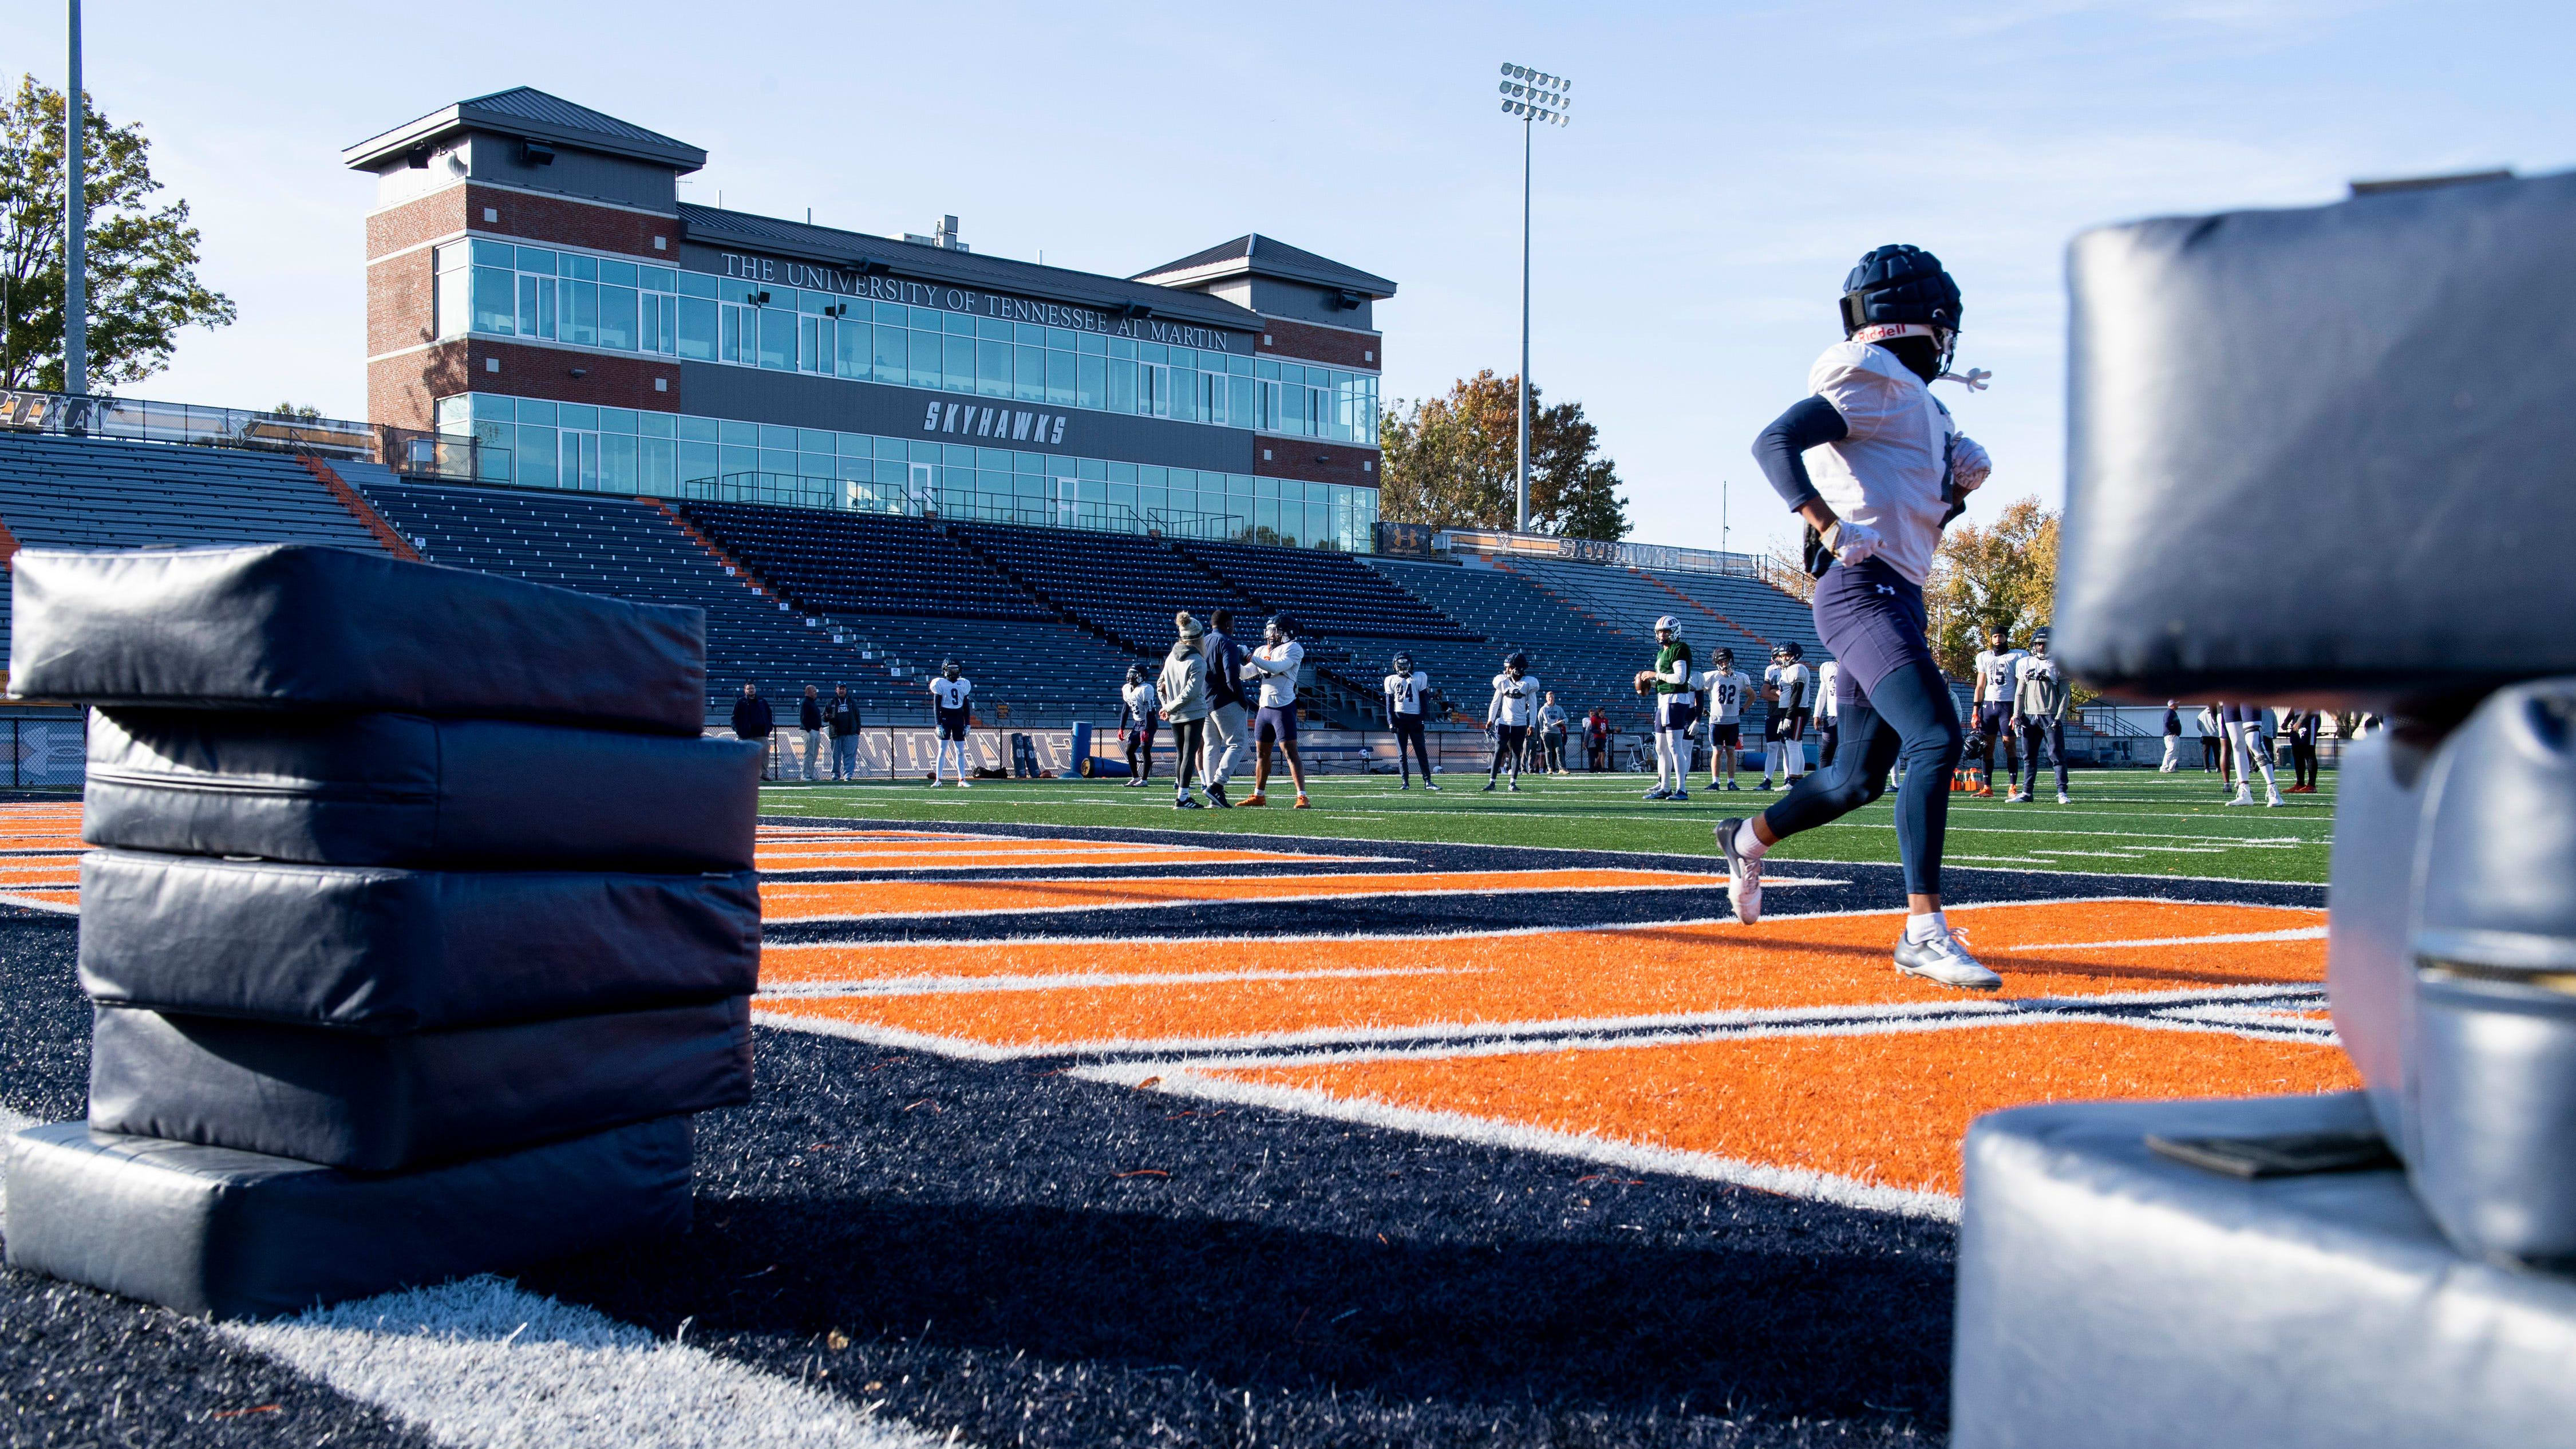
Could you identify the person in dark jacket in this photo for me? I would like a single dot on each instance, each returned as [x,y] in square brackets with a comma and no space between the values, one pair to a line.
[842,719]
[753,721]
[809,723]
[1227,740]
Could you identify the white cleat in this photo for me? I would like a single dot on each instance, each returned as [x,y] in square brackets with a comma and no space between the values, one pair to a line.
[2243,797]
[2062,800]
[2018,797]
[2272,798]
[1943,959]
[1743,877]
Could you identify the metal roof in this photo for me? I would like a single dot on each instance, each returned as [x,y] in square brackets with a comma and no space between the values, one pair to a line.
[1263,256]
[532,113]
[708,225]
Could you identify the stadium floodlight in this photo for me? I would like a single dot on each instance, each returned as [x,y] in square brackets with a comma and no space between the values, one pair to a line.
[1531,96]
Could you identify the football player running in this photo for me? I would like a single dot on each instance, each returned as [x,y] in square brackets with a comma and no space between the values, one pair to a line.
[1407,691]
[1513,709]
[1891,470]
[1723,690]
[1676,696]
[1997,675]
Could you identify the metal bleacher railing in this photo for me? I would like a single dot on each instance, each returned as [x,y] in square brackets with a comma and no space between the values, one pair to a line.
[957,505]
[142,420]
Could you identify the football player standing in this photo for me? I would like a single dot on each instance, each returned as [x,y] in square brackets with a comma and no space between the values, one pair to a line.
[1892,470]
[1406,690]
[2039,703]
[1676,695]
[1723,691]
[948,696]
[1275,666]
[1829,718]
[1513,709]
[1993,702]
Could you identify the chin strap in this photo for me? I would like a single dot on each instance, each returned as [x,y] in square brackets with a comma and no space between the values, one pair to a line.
[1974,379]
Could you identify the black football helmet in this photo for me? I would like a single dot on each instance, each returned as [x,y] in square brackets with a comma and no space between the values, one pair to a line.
[950,669]
[1403,664]
[1516,660]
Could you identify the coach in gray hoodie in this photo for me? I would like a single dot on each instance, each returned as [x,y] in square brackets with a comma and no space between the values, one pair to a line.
[1183,690]
[1227,706]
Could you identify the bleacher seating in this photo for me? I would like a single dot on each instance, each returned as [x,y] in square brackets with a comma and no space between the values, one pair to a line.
[863,563]
[1124,587]
[1744,615]
[1584,658]
[91,493]
[1329,593]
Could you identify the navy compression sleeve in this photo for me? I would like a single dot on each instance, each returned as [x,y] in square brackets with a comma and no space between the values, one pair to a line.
[1810,422]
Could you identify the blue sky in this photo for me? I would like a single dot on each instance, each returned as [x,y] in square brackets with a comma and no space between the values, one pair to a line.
[1725,166]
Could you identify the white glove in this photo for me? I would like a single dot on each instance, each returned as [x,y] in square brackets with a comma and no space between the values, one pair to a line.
[1969,464]
[1853,542]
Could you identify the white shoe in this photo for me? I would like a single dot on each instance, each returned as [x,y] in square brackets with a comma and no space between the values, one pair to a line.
[965,785]
[2273,798]
[1743,877]
[2243,797]
[1943,959]
[2018,797]
[2062,800]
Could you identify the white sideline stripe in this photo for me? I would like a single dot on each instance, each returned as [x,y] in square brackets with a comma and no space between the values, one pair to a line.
[2311,933]
[1456,1126]
[1068,980]
[787,876]
[482,1363]
[1682,881]
[11,898]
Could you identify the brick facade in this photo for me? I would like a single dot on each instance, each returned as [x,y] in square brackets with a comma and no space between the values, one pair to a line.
[541,219]
[403,391]
[1353,463]
[1327,345]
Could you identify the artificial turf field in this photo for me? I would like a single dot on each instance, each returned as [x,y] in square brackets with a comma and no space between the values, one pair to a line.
[1410,1119]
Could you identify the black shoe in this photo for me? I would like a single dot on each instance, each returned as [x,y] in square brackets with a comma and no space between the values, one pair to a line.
[1216,797]
[1489,784]
[1184,802]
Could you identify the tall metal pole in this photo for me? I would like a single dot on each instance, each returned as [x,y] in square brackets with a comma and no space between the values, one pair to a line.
[1527,122]
[75,226]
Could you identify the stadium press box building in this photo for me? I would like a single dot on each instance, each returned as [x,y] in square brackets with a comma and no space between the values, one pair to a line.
[537,292]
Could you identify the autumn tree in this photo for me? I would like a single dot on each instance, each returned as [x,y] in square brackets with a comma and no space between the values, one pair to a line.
[2003,575]
[142,258]
[1451,463]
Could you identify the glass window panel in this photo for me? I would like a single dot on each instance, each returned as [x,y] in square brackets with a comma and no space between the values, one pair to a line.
[657,465]
[992,329]
[496,303]
[697,284]
[491,253]
[1091,342]
[893,470]
[1059,378]
[617,462]
[579,320]
[1238,401]
[576,415]
[697,329]
[955,455]
[847,468]
[1122,347]
[774,436]
[814,304]
[536,456]
[617,420]
[815,465]
[735,459]
[1152,352]
[1152,501]
[1091,382]
[617,273]
[533,411]
[959,374]
[778,338]
[737,291]
[923,319]
[528,306]
[1266,369]
[1092,468]
[697,430]
[888,351]
[579,267]
[655,425]
[698,460]
[1239,366]
[1184,399]
[812,440]
[734,434]
[1028,373]
[853,358]
[925,364]
[957,324]
[893,314]
[617,318]
[658,279]
[1180,357]
[1265,519]
[777,460]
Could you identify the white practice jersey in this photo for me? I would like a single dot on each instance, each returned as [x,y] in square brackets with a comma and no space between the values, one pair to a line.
[1796,685]
[1726,691]
[1888,469]
[2039,687]
[951,694]
[1141,702]
[1515,700]
[1828,675]
[1405,693]
[1998,674]
[1276,666]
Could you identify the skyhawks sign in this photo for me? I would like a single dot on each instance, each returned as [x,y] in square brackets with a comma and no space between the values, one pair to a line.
[1014,425]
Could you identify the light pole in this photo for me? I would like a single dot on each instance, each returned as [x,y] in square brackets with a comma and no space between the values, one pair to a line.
[1534,97]
[75,224]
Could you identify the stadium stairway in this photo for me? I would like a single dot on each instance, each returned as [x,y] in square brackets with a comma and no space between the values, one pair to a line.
[95,493]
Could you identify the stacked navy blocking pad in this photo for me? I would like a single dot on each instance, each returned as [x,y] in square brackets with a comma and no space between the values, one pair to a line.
[2327,457]
[423,919]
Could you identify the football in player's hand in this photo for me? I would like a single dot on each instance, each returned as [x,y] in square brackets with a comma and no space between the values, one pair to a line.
[1645,680]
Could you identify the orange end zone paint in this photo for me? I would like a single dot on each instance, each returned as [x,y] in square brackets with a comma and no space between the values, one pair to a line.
[1569,976]
[1889,1109]
[860,899]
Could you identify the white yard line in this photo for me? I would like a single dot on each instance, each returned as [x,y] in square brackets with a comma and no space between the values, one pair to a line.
[1071,980]
[481,1363]
[2307,933]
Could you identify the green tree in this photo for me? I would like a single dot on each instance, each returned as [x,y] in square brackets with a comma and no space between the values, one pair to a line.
[2003,575]
[143,283]
[1450,463]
